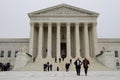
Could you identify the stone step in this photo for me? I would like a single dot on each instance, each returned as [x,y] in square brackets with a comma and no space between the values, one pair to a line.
[38,65]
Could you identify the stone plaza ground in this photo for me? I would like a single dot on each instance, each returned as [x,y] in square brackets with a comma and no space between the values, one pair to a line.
[59,75]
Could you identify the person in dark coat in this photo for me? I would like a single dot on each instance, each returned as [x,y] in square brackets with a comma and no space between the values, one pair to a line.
[55,60]
[4,68]
[70,61]
[67,65]
[8,66]
[78,64]
[44,67]
[57,68]
[50,67]
[85,65]
[59,60]
[1,65]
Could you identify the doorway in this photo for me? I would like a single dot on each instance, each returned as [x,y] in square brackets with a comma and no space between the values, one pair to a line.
[63,50]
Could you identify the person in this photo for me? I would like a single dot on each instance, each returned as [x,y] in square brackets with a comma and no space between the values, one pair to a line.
[59,60]
[67,65]
[78,64]
[1,64]
[70,61]
[117,64]
[44,67]
[55,60]
[8,66]
[57,68]
[85,65]
[4,68]
[50,67]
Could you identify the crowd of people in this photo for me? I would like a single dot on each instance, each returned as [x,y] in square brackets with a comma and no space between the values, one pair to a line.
[5,67]
[78,63]
[47,67]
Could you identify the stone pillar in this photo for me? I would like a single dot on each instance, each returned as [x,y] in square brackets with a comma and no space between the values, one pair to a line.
[31,43]
[68,41]
[86,41]
[58,41]
[49,46]
[77,40]
[95,40]
[40,42]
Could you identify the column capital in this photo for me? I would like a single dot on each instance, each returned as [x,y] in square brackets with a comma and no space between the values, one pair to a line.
[77,23]
[86,23]
[40,24]
[94,24]
[49,23]
[58,23]
[31,24]
[68,23]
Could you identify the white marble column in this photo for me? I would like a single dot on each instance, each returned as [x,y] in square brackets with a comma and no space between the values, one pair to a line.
[95,41]
[77,40]
[58,41]
[49,43]
[31,45]
[86,40]
[68,41]
[40,42]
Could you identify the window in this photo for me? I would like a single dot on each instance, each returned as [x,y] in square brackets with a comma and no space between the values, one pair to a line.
[116,54]
[2,54]
[16,53]
[9,53]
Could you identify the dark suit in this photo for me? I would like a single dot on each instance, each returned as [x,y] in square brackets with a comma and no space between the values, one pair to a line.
[78,66]
[85,65]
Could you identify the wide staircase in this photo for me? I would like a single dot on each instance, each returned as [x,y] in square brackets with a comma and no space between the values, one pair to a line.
[38,65]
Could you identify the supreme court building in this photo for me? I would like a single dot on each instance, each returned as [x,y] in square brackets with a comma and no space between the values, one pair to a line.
[63,31]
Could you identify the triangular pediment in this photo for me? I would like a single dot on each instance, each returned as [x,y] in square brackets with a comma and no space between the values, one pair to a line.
[63,10]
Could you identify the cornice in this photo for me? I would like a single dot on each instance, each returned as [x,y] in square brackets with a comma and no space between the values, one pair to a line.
[14,40]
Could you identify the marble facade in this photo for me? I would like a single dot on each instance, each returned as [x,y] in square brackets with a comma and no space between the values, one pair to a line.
[63,31]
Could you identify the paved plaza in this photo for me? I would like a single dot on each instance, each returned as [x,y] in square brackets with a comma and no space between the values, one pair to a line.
[61,75]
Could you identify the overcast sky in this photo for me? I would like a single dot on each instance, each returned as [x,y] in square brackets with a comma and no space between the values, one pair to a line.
[14,21]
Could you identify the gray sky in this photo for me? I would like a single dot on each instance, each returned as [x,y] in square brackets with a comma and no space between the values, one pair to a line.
[14,21]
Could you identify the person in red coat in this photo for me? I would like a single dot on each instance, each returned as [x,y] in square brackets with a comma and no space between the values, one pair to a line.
[85,65]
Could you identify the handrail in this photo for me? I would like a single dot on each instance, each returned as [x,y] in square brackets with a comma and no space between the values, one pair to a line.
[101,53]
[29,54]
